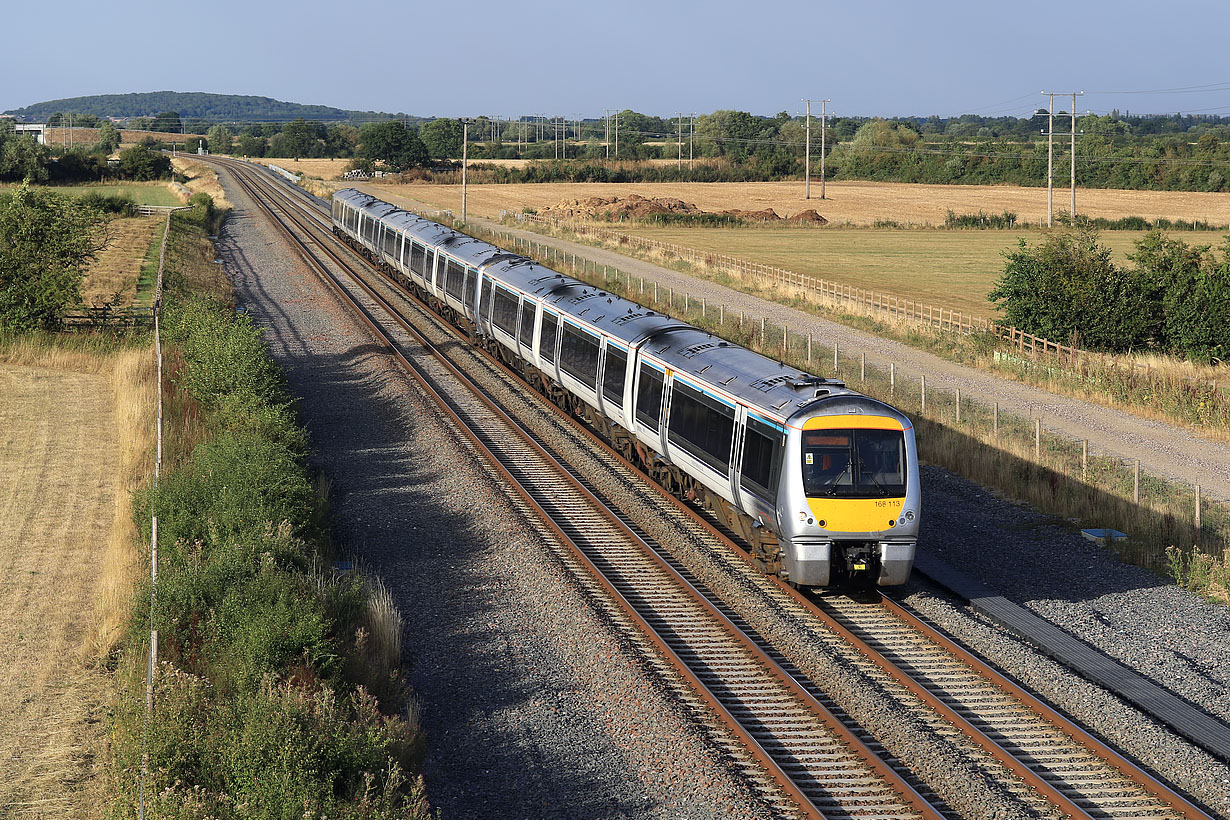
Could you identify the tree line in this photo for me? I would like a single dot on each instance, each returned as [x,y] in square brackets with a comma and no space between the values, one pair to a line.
[22,158]
[1174,297]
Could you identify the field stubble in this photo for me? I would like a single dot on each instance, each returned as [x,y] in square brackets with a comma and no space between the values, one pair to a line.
[76,441]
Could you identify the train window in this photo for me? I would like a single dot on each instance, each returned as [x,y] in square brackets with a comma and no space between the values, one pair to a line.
[854,463]
[702,425]
[548,335]
[527,324]
[505,312]
[649,397]
[762,458]
[417,258]
[613,373]
[471,287]
[454,278]
[578,354]
[484,309]
[390,241]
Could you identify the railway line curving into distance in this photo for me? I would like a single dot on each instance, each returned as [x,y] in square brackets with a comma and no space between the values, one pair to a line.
[746,653]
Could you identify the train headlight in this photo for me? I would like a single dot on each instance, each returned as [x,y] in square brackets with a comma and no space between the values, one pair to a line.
[802,515]
[909,516]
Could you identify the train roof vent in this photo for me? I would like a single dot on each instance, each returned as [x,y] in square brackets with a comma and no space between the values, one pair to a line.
[693,351]
[581,297]
[627,317]
[512,258]
[767,384]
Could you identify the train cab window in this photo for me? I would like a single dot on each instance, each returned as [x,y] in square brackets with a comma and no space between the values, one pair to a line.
[455,276]
[762,458]
[613,374]
[854,463]
[701,425]
[649,397]
[417,258]
[578,354]
[504,315]
[527,324]
[548,335]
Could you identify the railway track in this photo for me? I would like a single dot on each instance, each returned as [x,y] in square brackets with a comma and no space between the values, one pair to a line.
[756,699]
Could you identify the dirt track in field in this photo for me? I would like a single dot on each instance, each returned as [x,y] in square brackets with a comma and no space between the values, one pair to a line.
[58,458]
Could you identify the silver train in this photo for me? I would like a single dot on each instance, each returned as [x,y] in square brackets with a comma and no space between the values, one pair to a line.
[820,480]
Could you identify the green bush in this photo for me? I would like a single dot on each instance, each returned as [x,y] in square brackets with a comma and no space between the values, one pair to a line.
[121,204]
[267,705]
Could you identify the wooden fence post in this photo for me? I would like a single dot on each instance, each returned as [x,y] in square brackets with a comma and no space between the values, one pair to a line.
[862,368]
[958,405]
[836,361]
[1197,509]
[1037,438]
[922,409]
[1136,482]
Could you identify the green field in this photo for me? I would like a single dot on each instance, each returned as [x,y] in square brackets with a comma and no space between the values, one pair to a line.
[942,268]
[143,193]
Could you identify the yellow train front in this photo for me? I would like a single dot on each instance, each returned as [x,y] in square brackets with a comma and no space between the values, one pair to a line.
[849,500]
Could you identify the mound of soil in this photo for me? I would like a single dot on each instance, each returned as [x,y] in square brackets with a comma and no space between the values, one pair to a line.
[767,215]
[810,216]
[633,206]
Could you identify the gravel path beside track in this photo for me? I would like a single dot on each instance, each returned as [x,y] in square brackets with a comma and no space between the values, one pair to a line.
[532,705]
[1163,449]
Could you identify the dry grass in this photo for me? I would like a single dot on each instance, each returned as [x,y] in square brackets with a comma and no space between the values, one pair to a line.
[87,136]
[118,267]
[856,203]
[323,168]
[73,439]
[201,179]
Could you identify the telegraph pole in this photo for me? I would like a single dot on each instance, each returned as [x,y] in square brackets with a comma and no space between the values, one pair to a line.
[616,135]
[823,119]
[465,139]
[606,139]
[679,133]
[1074,96]
[691,139]
[807,152]
[1050,162]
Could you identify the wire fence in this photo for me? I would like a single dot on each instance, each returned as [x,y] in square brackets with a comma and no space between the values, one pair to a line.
[152,662]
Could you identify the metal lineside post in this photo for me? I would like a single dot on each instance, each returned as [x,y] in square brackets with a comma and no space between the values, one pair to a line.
[679,141]
[691,141]
[1050,159]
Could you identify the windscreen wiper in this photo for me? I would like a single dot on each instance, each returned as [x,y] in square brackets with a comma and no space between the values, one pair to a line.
[863,471]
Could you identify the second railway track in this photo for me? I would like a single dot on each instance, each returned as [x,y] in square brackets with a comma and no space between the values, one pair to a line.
[781,725]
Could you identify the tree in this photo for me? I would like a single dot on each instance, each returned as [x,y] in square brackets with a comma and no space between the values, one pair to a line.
[251,145]
[298,139]
[442,138]
[1067,289]
[142,163]
[23,158]
[219,139]
[398,147]
[108,137]
[168,122]
[1192,285]
[46,242]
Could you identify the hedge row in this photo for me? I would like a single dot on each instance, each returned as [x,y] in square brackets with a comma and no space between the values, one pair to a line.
[268,702]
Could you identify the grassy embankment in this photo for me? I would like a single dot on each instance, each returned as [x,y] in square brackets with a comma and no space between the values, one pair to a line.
[142,193]
[1000,456]
[278,688]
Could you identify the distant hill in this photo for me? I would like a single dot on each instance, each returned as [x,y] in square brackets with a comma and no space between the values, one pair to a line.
[194,105]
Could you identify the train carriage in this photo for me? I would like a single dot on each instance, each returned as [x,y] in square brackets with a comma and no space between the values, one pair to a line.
[820,481]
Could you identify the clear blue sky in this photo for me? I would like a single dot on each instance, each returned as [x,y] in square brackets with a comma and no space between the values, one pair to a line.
[478,57]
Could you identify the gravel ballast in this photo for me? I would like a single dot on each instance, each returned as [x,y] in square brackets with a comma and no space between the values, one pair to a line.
[1162,631]
[533,705]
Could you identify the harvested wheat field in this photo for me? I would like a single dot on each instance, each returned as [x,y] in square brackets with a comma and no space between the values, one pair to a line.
[323,168]
[854,203]
[70,450]
[113,276]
